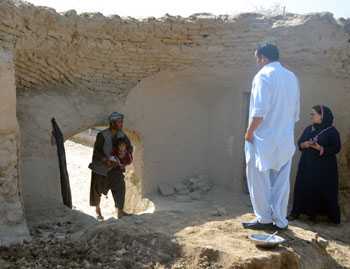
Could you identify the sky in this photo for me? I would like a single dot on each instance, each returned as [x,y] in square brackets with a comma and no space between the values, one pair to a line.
[158,8]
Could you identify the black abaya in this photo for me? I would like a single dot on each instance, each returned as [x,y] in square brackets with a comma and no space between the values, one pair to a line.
[316,186]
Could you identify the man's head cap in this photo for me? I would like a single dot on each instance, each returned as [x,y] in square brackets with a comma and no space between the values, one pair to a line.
[116,116]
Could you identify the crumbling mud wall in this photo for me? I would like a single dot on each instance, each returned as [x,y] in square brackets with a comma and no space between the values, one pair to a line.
[181,82]
[12,221]
[344,182]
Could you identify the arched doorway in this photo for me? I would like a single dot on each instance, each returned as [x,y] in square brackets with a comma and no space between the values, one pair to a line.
[79,149]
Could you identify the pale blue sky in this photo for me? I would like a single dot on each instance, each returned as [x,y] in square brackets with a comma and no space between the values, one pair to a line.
[157,8]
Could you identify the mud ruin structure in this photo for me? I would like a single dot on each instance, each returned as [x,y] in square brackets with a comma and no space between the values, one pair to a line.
[183,84]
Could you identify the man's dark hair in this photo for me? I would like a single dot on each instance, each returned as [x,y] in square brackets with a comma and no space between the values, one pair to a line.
[269,51]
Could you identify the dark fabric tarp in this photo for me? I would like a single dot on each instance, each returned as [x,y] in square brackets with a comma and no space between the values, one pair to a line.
[65,186]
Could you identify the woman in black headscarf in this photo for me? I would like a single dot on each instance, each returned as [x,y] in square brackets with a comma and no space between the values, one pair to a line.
[316,186]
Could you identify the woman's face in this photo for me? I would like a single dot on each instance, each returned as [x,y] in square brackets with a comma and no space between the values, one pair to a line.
[315,117]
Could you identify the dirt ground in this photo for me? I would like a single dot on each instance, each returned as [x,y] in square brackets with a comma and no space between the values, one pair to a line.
[206,233]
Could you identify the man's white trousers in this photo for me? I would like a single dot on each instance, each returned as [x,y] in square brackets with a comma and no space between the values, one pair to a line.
[269,193]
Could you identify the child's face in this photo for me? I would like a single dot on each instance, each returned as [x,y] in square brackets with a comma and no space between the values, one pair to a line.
[122,148]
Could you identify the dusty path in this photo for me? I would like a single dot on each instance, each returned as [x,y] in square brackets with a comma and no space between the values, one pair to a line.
[179,235]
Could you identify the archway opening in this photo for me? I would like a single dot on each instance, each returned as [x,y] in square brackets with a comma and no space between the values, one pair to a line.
[79,150]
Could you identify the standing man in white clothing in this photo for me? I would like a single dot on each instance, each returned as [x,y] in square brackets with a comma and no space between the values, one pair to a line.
[269,147]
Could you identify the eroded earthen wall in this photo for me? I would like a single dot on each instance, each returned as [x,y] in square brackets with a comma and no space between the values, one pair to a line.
[12,222]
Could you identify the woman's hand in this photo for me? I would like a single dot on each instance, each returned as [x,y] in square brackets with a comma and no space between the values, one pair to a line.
[306,144]
[318,147]
[315,146]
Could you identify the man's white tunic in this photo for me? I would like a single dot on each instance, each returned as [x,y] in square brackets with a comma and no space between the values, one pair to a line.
[275,96]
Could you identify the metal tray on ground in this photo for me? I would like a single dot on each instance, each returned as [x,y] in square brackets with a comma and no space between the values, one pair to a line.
[266,240]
